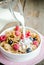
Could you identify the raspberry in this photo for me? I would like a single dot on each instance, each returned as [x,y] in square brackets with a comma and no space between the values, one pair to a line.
[35,43]
[17,28]
[27,34]
[2,38]
[16,46]
[17,33]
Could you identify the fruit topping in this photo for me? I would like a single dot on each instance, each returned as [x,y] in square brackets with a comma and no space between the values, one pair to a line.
[17,33]
[16,46]
[10,41]
[34,39]
[35,43]
[28,34]
[17,28]
[3,38]
[28,50]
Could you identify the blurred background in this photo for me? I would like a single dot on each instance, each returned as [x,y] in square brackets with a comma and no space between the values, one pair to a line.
[33,13]
[35,9]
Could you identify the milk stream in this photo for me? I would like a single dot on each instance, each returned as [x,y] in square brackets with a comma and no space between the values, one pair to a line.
[23,25]
[22,21]
[27,41]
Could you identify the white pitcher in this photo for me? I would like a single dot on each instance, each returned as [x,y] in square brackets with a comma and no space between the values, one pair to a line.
[6,17]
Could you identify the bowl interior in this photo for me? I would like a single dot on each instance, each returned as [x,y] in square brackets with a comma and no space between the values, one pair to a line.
[9,29]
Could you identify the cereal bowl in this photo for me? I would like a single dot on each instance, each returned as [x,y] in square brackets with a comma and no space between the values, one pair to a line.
[21,57]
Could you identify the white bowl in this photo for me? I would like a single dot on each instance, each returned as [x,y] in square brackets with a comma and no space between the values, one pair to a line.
[21,57]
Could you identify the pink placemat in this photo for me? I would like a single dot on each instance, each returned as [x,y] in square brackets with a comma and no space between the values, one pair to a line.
[29,62]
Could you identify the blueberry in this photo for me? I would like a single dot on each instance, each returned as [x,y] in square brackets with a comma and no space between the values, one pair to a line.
[28,50]
[10,42]
[34,39]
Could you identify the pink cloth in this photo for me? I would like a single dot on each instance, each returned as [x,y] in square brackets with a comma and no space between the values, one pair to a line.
[29,62]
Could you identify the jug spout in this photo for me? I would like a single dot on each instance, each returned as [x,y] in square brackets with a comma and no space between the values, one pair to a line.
[5,17]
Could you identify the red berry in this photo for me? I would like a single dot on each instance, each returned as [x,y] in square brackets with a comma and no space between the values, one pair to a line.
[16,46]
[2,38]
[17,33]
[35,43]
[17,28]
[22,36]
[27,34]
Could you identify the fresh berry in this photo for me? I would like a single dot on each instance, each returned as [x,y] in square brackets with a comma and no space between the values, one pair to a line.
[34,39]
[28,50]
[10,42]
[35,43]
[16,46]
[22,36]
[3,38]
[17,28]
[27,34]
[17,33]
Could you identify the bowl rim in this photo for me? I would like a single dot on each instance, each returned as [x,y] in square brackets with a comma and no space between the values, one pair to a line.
[10,28]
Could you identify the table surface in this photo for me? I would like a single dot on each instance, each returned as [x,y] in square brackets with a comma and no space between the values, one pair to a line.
[34,61]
